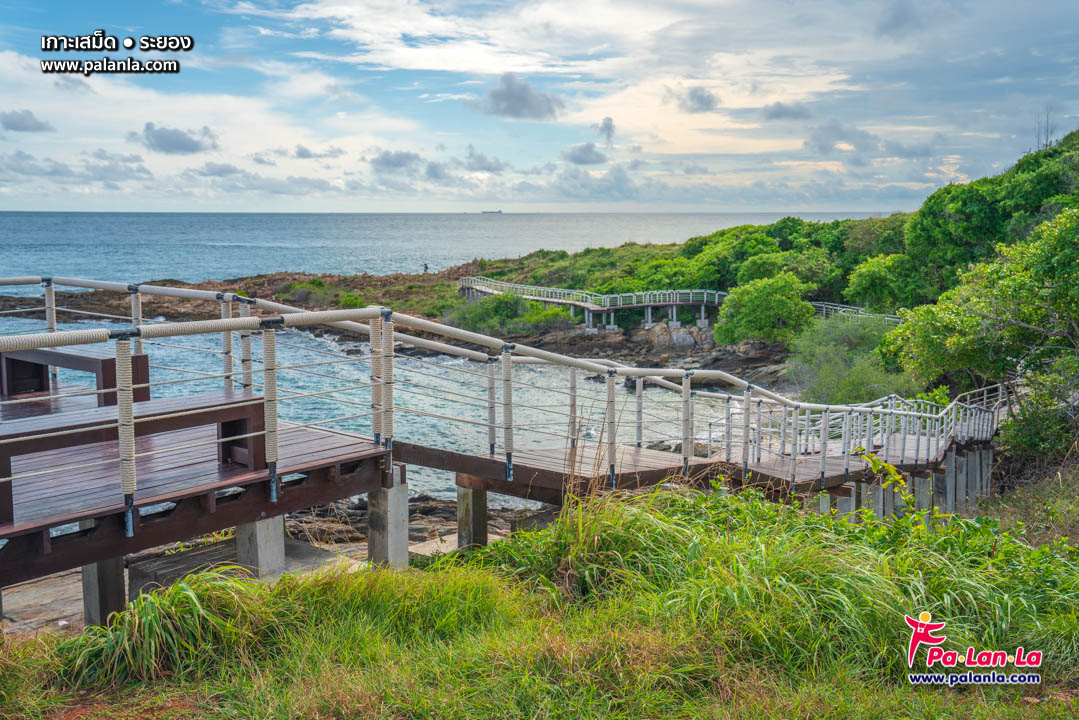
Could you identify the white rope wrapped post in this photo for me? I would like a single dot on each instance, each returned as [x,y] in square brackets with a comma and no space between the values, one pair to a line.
[886,431]
[50,321]
[387,384]
[491,398]
[824,423]
[728,432]
[246,380]
[573,407]
[375,324]
[136,317]
[226,344]
[846,444]
[639,392]
[747,400]
[269,404]
[611,429]
[507,407]
[687,439]
[125,422]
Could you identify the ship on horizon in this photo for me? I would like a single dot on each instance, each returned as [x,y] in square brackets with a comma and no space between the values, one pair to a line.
[490,212]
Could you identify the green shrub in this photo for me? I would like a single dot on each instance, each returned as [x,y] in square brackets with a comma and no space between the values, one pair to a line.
[770,309]
[507,314]
[836,361]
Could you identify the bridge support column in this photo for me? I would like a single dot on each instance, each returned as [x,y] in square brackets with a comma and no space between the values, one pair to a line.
[648,317]
[471,517]
[672,315]
[103,590]
[703,322]
[387,532]
[949,481]
[611,327]
[961,483]
[260,546]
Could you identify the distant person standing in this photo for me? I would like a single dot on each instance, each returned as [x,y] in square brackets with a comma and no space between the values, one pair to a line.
[425,268]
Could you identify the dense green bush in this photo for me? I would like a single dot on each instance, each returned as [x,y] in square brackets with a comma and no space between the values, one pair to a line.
[507,314]
[770,309]
[837,361]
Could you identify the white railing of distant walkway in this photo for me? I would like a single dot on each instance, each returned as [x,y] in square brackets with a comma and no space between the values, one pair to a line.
[583,298]
[757,425]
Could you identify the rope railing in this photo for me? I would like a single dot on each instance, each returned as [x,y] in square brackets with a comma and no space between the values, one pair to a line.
[750,426]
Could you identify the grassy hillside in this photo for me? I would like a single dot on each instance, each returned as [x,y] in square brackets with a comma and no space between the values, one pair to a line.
[671,604]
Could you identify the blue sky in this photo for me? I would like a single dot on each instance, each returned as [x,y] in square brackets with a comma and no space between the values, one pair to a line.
[384,105]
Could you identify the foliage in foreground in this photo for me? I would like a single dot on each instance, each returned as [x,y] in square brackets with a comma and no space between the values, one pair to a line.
[672,604]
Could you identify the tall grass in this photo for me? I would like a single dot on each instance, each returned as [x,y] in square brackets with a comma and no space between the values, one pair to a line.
[666,604]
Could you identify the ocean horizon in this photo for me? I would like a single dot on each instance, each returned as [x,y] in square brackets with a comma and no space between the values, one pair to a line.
[196,247]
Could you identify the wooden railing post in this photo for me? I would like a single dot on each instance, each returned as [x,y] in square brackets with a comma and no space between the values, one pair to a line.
[50,322]
[846,444]
[492,420]
[269,404]
[246,379]
[727,430]
[612,430]
[387,385]
[747,398]
[573,407]
[136,317]
[507,408]
[687,439]
[125,421]
[794,444]
[824,423]
[375,324]
[639,392]
[226,344]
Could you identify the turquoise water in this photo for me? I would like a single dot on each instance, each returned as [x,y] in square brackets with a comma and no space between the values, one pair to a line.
[140,247]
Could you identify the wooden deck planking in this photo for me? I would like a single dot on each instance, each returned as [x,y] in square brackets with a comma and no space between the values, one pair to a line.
[160,476]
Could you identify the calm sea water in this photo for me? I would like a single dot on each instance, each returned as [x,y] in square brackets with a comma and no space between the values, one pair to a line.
[140,247]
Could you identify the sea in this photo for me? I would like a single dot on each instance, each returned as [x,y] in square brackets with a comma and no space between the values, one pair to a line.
[442,400]
[142,247]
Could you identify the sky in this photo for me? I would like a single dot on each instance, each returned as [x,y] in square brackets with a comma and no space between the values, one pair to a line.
[551,105]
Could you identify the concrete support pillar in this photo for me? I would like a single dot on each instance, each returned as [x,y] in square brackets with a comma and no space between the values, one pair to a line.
[648,316]
[671,313]
[950,491]
[573,312]
[704,316]
[940,490]
[824,503]
[471,518]
[387,531]
[103,589]
[260,546]
[961,498]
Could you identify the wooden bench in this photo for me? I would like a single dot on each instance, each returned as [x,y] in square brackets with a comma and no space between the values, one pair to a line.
[23,436]
[27,371]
